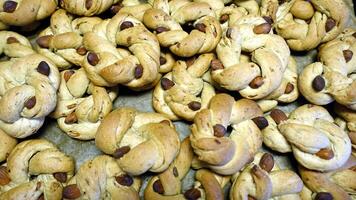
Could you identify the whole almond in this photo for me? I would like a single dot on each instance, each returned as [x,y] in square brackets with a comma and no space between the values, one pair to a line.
[124,180]
[4,176]
[166,83]
[262,28]
[347,55]
[11,40]
[68,74]
[126,24]
[194,105]
[60,176]
[121,152]
[318,83]
[267,162]
[256,82]
[216,64]
[192,194]
[9,6]
[278,116]
[30,103]
[219,130]
[261,122]
[324,196]
[71,192]
[289,88]
[330,24]
[138,71]
[71,118]
[158,187]
[43,68]
[326,154]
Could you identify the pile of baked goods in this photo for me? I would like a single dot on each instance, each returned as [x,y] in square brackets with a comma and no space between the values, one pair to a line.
[225,67]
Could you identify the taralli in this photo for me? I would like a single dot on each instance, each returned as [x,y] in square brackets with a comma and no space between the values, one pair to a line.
[263,179]
[333,77]
[102,178]
[35,169]
[139,141]
[310,133]
[347,122]
[337,185]
[25,12]
[168,185]
[167,18]
[81,105]
[261,75]
[87,7]
[183,92]
[7,143]
[28,91]
[287,92]
[62,41]
[108,66]
[216,150]
[306,24]
[14,45]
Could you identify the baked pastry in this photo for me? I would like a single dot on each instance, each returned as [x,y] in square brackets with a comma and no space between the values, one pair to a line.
[333,77]
[167,185]
[347,122]
[102,178]
[338,185]
[107,65]
[34,170]
[28,91]
[306,24]
[87,7]
[14,45]
[7,143]
[136,8]
[81,105]
[216,150]
[261,75]
[139,141]
[183,92]
[167,19]
[310,133]
[62,41]
[263,179]
[22,13]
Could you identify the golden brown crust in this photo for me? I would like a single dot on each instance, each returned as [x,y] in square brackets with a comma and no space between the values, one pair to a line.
[339,183]
[87,8]
[31,167]
[81,105]
[226,155]
[28,94]
[325,146]
[183,92]
[62,41]
[128,134]
[102,178]
[305,25]
[26,12]
[334,72]
[171,15]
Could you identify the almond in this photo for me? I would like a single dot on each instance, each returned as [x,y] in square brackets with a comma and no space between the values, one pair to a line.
[4,176]
[71,192]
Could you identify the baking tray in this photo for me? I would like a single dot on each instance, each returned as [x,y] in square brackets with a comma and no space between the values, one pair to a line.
[85,150]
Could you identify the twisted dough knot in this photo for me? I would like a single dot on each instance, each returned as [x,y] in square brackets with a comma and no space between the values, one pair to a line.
[108,66]
[62,41]
[7,143]
[332,78]
[139,141]
[34,169]
[286,92]
[167,185]
[25,12]
[348,123]
[87,7]
[227,154]
[263,180]
[306,24]
[28,87]
[339,184]
[102,178]
[14,45]
[166,19]
[264,73]
[310,133]
[183,92]
[81,105]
